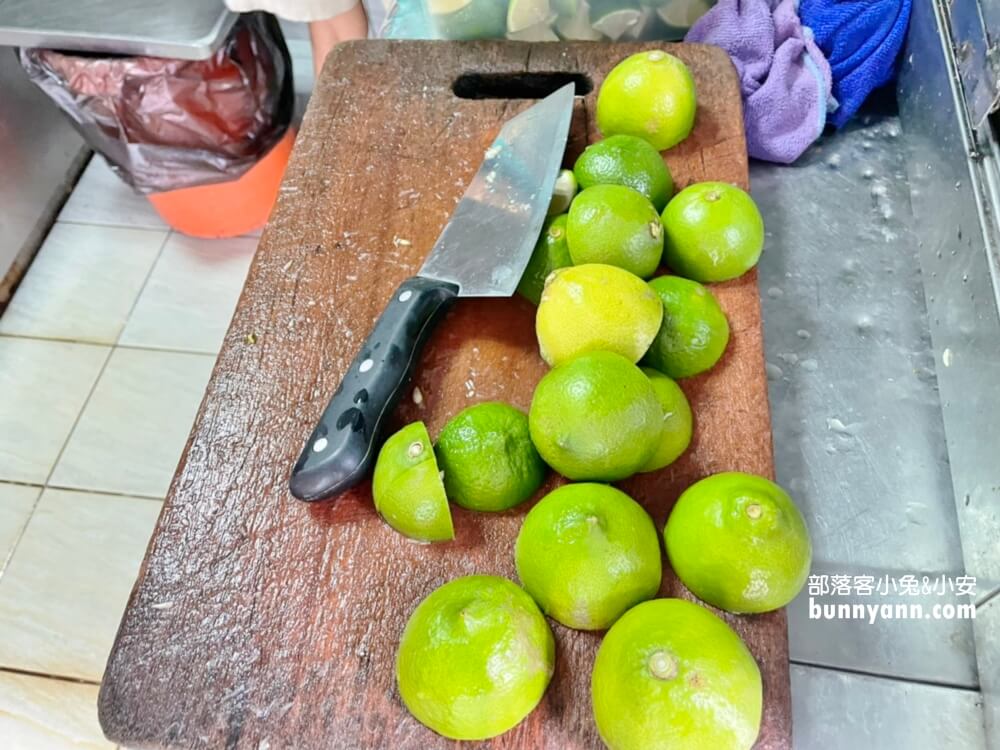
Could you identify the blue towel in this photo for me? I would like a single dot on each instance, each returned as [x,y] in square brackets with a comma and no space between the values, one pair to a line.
[861,40]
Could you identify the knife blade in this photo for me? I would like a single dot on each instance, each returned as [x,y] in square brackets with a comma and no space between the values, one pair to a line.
[481,252]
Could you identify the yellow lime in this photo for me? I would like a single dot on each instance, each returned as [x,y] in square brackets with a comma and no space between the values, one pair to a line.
[738,542]
[488,459]
[475,658]
[549,254]
[629,161]
[407,488]
[650,95]
[596,417]
[670,674]
[586,553]
[694,332]
[615,225]
[596,307]
[677,421]
[714,232]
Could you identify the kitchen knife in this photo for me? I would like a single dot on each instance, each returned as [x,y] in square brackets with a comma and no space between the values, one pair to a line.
[482,252]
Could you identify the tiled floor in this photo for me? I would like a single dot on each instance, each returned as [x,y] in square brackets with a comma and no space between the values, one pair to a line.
[105,352]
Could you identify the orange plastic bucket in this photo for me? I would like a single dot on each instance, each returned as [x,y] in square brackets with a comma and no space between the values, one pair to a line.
[228,209]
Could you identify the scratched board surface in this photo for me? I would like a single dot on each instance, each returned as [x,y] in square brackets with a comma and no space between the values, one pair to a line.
[260,621]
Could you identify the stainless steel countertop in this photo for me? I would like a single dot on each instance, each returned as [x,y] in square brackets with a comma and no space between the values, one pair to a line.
[860,443]
[183,29]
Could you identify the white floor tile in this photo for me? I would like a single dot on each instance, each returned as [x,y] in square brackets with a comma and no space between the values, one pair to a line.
[16,503]
[64,591]
[132,433]
[39,713]
[101,198]
[43,386]
[191,294]
[83,283]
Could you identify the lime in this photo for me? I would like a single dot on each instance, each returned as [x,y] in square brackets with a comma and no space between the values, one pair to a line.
[574,21]
[614,18]
[694,332]
[615,225]
[594,307]
[523,14]
[677,421]
[488,459]
[670,674]
[563,192]
[407,488]
[714,232]
[738,542]
[596,417]
[680,15]
[475,658]
[540,32]
[650,95]
[586,553]
[549,254]
[629,161]
[468,19]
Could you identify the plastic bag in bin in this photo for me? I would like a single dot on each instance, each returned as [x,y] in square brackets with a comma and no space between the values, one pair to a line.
[165,124]
[544,20]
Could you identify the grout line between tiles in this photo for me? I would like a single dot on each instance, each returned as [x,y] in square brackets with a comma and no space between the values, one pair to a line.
[55,463]
[145,283]
[160,349]
[47,676]
[108,493]
[26,337]
[890,678]
[164,228]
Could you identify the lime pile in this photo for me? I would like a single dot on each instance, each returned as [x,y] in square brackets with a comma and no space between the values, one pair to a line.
[477,654]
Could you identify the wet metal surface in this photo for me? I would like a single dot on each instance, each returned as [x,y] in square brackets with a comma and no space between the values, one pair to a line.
[858,431]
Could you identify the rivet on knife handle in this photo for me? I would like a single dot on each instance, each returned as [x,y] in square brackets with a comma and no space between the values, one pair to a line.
[343,447]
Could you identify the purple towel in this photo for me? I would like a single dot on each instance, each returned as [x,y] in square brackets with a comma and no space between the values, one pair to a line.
[784,77]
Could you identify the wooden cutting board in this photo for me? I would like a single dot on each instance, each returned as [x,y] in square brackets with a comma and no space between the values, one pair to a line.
[262,622]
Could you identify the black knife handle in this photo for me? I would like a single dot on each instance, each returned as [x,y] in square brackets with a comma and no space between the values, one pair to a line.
[342,448]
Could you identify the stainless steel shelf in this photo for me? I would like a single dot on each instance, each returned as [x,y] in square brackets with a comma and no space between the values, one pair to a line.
[183,29]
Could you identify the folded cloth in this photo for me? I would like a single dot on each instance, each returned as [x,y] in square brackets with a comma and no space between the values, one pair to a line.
[784,78]
[862,40]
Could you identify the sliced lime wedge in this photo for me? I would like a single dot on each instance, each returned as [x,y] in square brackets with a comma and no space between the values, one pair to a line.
[523,14]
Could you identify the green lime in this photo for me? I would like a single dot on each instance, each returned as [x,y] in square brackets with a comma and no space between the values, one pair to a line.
[488,459]
[563,192]
[677,421]
[475,658]
[595,307]
[694,332]
[671,674]
[407,488]
[617,226]
[629,161]
[549,254]
[738,542]
[650,95]
[468,19]
[586,553]
[714,232]
[596,417]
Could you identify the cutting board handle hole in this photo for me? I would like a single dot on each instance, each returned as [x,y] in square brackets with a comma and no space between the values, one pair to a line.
[518,85]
